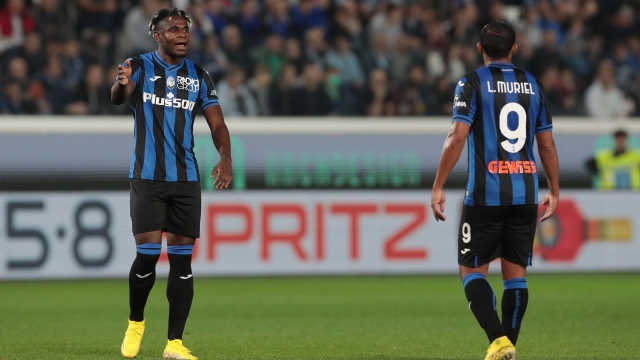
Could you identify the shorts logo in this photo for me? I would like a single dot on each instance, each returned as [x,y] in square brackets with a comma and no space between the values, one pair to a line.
[171,82]
[512,167]
[187,83]
[213,92]
[465,251]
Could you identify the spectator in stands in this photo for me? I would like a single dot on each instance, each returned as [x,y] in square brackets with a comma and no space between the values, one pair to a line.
[271,54]
[211,57]
[216,15]
[377,57]
[73,63]
[311,99]
[250,23]
[18,71]
[349,75]
[293,54]
[56,92]
[419,99]
[14,100]
[236,97]
[413,22]
[30,51]
[349,24]
[401,58]
[566,92]
[260,88]
[308,14]
[92,96]
[281,95]
[617,167]
[97,14]
[316,47]
[377,99]
[388,21]
[277,19]
[603,98]
[546,55]
[15,21]
[235,49]
[51,20]
[135,39]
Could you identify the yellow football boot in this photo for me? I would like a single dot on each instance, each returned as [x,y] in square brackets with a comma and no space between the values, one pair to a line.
[132,339]
[501,349]
[175,350]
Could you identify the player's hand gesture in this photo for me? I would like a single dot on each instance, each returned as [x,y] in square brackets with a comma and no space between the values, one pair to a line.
[124,72]
[437,204]
[222,173]
[551,201]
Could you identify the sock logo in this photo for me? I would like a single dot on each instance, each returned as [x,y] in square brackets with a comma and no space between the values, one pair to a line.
[186,277]
[144,276]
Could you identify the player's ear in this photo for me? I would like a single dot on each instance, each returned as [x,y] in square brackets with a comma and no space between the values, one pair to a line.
[479,47]
[156,35]
[514,49]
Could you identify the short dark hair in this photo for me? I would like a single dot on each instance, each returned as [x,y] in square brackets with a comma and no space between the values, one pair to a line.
[497,39]
[164,13]
[620,133]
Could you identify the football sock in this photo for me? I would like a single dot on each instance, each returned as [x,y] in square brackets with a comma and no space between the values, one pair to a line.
[141,278]
[179,288]
[514,303]
[482,302]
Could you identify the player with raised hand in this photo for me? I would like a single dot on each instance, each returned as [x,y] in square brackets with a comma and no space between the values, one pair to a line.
[498,110]
[164,88]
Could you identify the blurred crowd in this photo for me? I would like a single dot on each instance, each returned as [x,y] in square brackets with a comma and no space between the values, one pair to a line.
[323,57]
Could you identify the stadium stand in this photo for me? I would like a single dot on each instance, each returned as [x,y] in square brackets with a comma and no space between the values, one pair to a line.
[342,57]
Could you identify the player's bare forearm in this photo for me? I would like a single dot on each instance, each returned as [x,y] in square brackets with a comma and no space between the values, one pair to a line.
[222,141]
[119,93]
[453,146]
[549,158]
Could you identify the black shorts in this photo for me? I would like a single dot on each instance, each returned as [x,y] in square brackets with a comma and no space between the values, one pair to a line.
[490,232]
[171,206]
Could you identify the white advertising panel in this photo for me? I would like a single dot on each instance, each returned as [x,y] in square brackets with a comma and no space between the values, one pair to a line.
[88,234]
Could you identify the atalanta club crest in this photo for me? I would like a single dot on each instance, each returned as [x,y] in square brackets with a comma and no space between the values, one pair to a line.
[171,82]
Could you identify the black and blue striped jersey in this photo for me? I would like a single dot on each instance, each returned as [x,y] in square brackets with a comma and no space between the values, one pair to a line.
[163,103]
[505,107]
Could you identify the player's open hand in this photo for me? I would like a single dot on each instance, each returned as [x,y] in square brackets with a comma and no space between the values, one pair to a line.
[552,202]
[437,204]
[124,72]
[222,174]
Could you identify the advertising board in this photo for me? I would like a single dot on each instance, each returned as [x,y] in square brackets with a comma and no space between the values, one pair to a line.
[88,234]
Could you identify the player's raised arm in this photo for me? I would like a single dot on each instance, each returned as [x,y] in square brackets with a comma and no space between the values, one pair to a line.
[126,81]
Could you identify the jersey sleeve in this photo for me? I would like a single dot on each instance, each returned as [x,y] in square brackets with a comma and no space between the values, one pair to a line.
[464,102]
[544,122]
[208,94]
[136,64]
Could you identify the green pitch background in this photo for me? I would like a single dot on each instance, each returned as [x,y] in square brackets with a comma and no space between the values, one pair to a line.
[426,317]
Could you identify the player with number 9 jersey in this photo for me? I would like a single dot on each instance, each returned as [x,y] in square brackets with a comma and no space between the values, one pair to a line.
[498,110]
[505,107]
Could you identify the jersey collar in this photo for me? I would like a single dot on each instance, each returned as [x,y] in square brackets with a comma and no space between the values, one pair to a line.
[166,64]
[501,64]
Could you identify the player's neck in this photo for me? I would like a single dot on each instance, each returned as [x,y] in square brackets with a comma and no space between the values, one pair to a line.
[488,61]
[171,60]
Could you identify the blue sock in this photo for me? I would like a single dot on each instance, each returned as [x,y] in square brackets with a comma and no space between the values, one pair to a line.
[514,303]
[482,302]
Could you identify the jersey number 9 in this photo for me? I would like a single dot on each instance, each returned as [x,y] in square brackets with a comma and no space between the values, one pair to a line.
[520,133]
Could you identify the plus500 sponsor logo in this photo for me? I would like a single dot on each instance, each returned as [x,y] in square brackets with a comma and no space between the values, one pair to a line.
[187,83]
[176,103]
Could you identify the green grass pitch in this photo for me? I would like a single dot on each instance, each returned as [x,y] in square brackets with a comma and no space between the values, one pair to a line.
[397,317]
